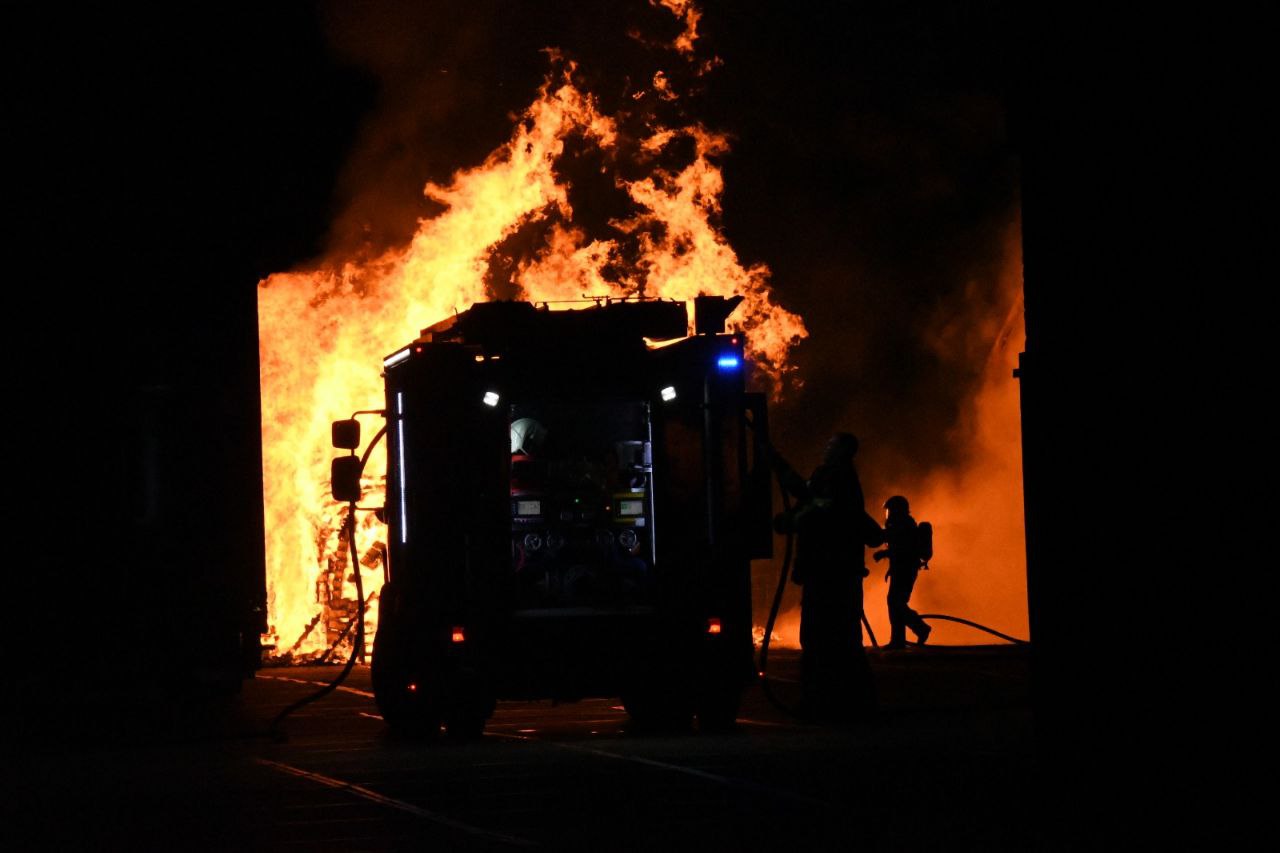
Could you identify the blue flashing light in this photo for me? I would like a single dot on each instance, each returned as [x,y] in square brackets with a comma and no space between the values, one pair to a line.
[728,362]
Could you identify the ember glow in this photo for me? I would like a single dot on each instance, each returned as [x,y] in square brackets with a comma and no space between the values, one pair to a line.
[323,333]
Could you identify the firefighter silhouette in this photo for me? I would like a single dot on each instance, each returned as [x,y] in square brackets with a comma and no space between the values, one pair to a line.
[903,548]
[832,527]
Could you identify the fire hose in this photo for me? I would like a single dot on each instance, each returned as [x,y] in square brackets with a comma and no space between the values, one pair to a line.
[773,610]
[357,647]
[971,624]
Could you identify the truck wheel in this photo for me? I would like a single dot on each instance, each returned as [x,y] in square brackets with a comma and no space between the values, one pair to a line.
[407,711]
[468,709]
[718,710]
[407,706]
[652,712]
[413,723]
[464,727]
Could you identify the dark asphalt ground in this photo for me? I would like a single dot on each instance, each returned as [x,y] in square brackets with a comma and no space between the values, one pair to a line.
[948,766]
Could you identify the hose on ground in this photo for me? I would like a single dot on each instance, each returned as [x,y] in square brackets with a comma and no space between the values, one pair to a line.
[972,624]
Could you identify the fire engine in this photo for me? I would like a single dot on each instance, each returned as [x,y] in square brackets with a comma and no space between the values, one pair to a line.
[573,500]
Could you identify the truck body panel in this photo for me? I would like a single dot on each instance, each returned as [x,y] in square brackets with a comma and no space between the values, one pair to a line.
[572,512]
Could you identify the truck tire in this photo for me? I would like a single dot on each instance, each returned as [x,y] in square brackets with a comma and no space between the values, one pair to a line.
[464,727]
[407,706]
[658,711]
[415,712]
[468,706]
[718,710]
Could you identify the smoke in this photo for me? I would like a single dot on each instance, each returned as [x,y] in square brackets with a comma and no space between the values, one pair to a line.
[877,176]
[974,503]
[974,500]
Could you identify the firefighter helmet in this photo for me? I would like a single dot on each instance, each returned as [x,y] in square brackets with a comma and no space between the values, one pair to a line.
[897,503]
[842,447]
[527,436]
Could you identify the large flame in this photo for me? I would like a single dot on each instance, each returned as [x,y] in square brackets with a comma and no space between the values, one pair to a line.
[323,332]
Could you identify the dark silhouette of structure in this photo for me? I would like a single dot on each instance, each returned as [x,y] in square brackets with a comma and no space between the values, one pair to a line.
[832,527]
[904,549]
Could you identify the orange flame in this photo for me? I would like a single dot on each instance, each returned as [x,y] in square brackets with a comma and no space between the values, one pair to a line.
[689,15]
[322,333]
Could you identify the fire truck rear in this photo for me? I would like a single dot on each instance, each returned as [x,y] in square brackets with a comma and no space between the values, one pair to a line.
[573,501]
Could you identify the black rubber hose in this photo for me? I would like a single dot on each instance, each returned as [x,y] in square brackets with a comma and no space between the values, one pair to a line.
[991,631]
[274,727]
[773,611]
[356,649]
